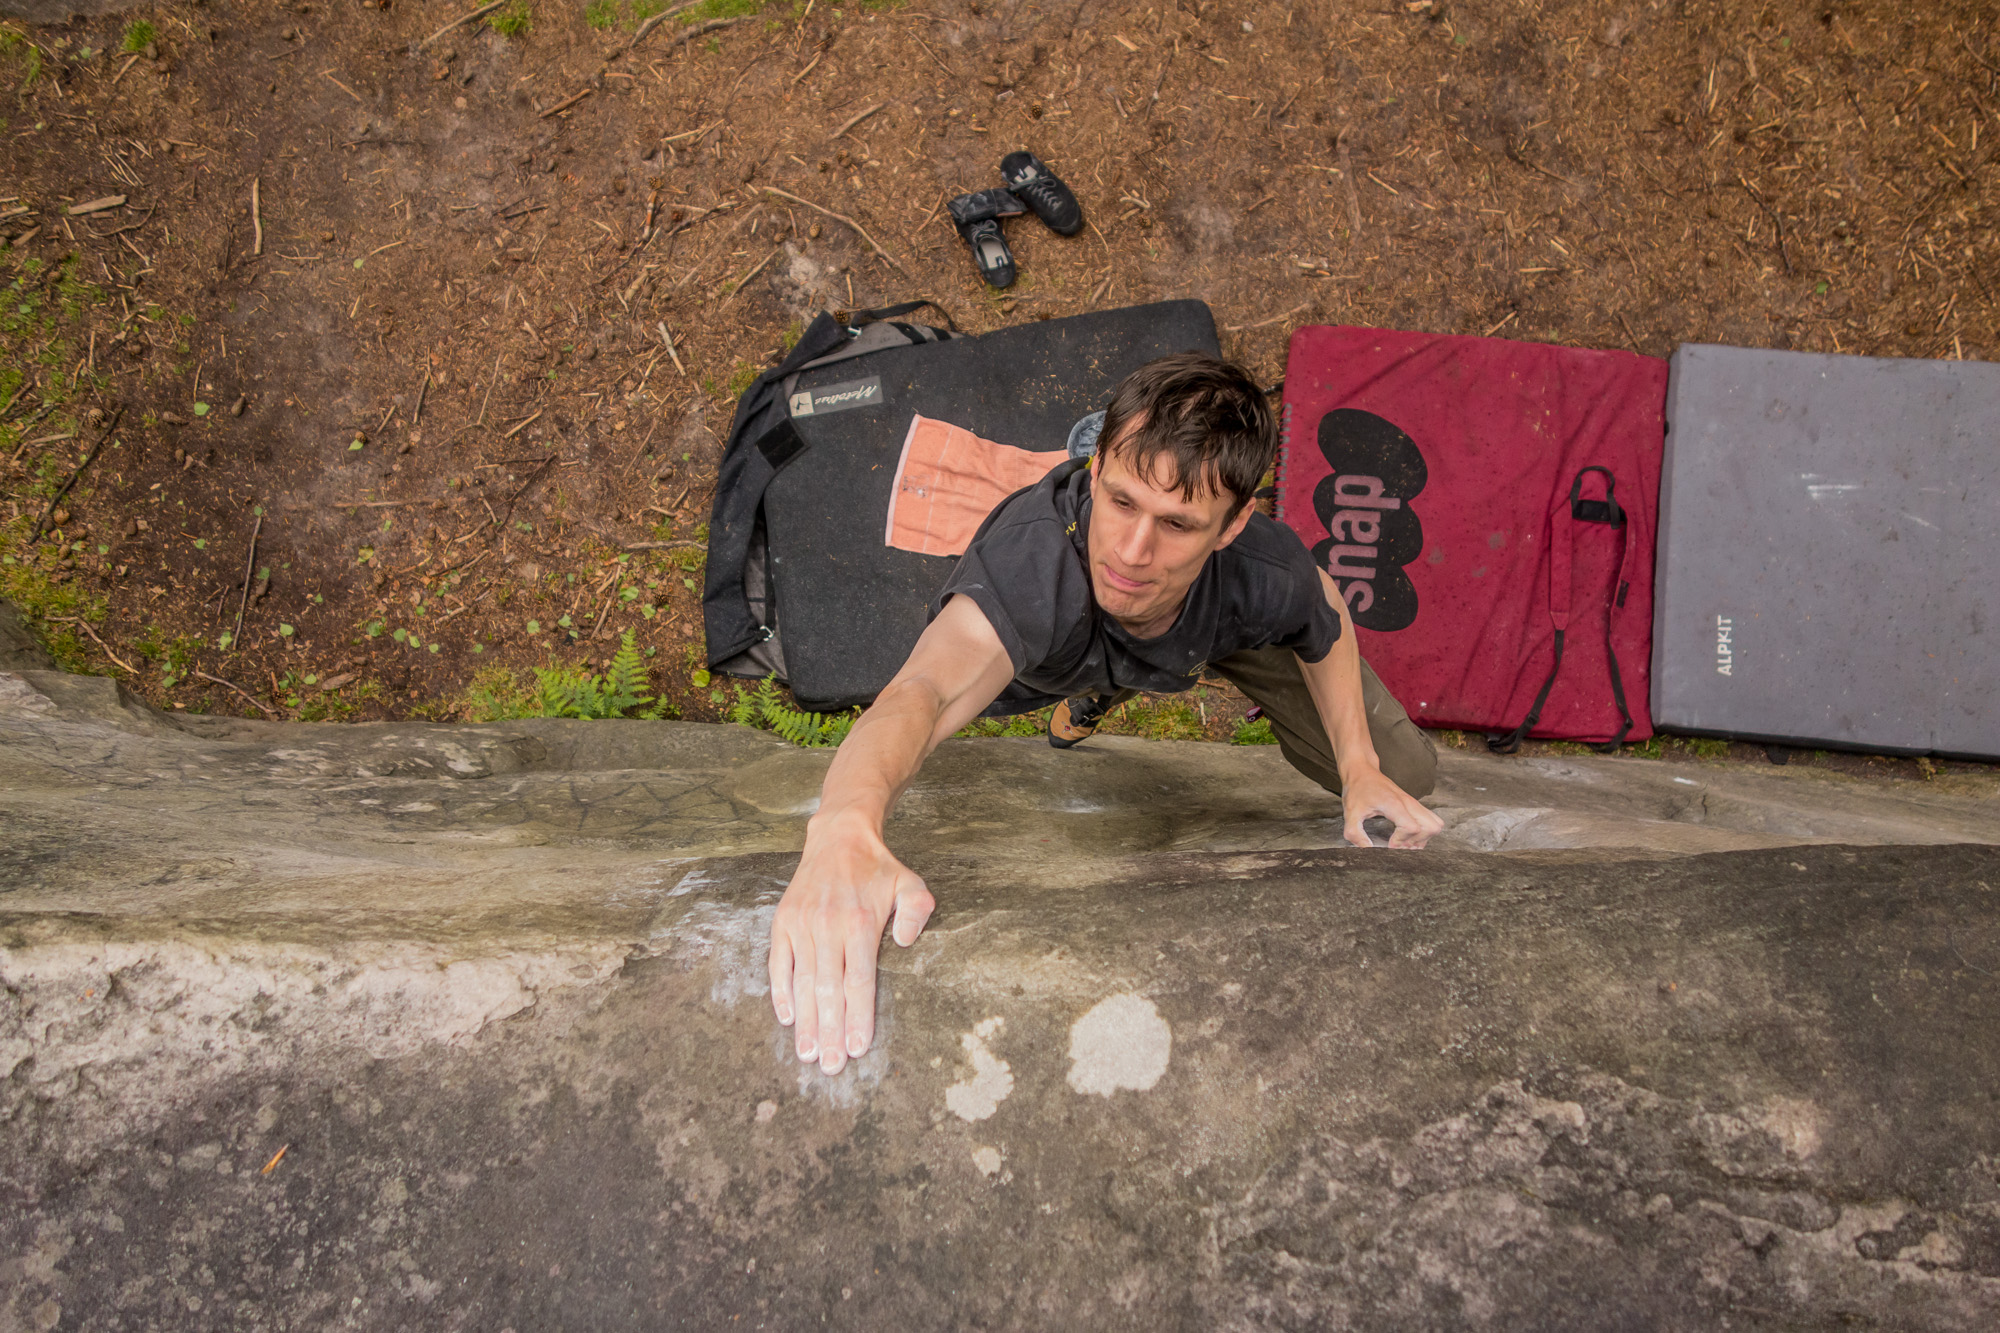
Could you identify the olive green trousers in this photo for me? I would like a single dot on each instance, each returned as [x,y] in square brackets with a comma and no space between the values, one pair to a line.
[1272,680]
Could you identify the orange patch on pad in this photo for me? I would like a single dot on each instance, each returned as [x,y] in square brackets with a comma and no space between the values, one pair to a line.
[948,480]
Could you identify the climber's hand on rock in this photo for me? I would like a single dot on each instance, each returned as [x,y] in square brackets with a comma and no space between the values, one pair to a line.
[1367,791]
[829,924]
[826,934]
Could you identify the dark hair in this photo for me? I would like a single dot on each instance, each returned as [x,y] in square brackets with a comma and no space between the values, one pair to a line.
[1204,413]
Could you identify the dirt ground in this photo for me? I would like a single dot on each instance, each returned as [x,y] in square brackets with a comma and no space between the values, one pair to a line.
[374,337]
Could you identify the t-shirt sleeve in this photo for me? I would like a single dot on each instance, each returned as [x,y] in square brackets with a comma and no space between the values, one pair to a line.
[1310,624]
[1019,574]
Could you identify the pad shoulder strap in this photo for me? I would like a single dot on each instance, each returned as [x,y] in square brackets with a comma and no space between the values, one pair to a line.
[1579,510]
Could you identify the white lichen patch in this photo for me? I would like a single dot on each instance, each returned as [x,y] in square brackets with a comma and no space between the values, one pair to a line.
[1777,1136]
[154,1021]
[1121,1044]
[1794,1123]
[987,1160]
[979,1096]
[19,699]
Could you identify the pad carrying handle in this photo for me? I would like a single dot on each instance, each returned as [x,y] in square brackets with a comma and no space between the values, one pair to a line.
[1565,517]
[856,318]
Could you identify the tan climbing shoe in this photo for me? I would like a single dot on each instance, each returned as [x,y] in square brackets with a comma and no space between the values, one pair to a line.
[1075,720]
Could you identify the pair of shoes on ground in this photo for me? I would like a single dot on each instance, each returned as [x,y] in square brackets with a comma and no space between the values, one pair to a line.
[1031,186]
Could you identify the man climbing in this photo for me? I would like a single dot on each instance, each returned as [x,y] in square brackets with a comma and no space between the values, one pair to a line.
[1140,568]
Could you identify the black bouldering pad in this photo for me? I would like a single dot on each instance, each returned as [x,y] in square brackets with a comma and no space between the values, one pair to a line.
[849,607]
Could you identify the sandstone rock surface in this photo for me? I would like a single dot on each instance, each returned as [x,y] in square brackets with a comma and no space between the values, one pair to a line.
[1635,1045]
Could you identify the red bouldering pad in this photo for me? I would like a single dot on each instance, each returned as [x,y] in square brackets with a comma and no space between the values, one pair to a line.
[1484,505]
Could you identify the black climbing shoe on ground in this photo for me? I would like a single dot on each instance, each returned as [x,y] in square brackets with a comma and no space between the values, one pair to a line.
[977,216]
[1042,190]
[1075,720]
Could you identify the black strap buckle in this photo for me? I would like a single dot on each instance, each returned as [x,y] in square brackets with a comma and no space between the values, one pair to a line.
[1604,511]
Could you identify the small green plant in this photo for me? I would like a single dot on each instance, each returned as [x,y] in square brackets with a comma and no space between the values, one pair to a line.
[721,9]
[1255,732]
[300,692]
[31,57]
[1659,747]
[621,691]
[38,580]
[511,21]
[764,709]
[1021,724]
[600,14]
[175,657]
[326,708]
[618,692]
[495,694]
[139,35]
[1158,720]
[739,379]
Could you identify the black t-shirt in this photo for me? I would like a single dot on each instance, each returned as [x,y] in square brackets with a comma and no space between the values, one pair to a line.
[1028,569]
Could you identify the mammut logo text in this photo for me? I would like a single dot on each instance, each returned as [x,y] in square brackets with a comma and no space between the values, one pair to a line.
[1372,531]
[1725,651]
[838,397]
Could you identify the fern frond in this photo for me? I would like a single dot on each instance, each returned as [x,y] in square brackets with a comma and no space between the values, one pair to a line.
[624,685]
[839,725]
[593,699]
[767,710]
[555,693]
[753,706]
[799,728]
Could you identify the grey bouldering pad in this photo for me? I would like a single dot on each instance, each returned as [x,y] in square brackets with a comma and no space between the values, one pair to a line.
[850,608]
[1829,566]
